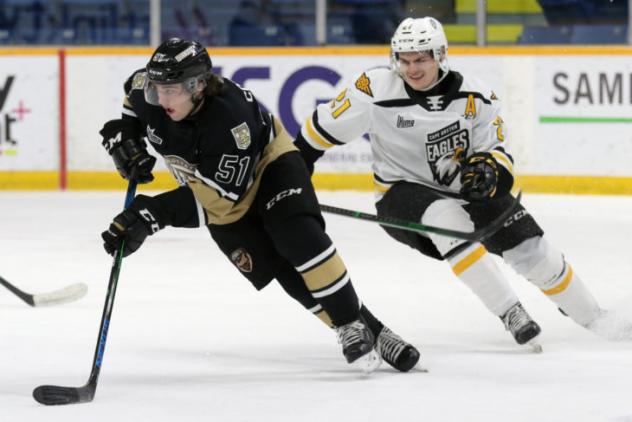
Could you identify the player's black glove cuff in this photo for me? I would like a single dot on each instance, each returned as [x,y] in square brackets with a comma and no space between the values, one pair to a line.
[479,177]
[132,226]
[121,138]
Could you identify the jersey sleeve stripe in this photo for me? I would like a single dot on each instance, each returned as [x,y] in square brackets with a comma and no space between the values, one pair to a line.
[314,136]
[330,139]
[128,112]
[380,186]
[503,160]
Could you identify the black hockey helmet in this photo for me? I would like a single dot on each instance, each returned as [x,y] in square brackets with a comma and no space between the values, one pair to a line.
[177,61]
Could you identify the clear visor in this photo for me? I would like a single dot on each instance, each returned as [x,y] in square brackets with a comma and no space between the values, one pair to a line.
[423,55]
[171,94]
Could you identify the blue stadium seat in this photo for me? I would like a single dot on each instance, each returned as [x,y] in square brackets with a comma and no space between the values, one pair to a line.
[599,34]
[545,35]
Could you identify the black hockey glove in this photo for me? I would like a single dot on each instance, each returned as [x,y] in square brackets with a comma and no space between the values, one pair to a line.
[121,138]
[479,176]
[133,226]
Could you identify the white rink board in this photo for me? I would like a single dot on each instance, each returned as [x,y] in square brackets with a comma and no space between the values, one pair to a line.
[29,107]
[290,86]
[583,87]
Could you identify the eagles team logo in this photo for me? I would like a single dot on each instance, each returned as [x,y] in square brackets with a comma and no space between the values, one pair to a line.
[242,260]
[443,148]
[241,134]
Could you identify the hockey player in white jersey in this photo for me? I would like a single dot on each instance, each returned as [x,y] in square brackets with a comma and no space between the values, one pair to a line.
[438,145]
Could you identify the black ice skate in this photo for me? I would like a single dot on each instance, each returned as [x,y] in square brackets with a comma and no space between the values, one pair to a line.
[395,351]
[357,345]
[525,330]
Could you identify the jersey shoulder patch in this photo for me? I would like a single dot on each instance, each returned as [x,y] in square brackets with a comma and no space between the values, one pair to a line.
[377,84]
[136,81]
[363,84]
[139,80]
[241,134]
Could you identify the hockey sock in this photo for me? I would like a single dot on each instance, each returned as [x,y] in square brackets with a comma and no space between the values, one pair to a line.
[571,296]
[317,261]
[477,270]
[294,285]
[469,261]
[543,265]
[375,325]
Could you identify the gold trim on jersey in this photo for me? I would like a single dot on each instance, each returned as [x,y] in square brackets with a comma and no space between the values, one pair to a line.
[503,159]
[324,317]
[562,286]
[381,187]
[315,136]
[498,122]
[325,274]
[469,260]
[220,210]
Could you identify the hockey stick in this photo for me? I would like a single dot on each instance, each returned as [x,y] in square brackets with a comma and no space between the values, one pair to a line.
[54,395]
[477,235]
[56,297]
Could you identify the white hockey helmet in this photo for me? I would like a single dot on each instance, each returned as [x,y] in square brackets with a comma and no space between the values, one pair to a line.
[421,34]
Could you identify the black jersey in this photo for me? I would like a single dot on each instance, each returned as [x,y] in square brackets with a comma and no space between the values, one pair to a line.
[219,152]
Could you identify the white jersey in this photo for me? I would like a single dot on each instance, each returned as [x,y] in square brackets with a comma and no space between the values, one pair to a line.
[414,135]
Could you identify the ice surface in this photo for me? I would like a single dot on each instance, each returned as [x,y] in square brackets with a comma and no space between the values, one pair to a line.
[191,340]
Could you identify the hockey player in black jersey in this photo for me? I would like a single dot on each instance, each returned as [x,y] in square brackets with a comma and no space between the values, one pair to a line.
[241,176]
[440,158]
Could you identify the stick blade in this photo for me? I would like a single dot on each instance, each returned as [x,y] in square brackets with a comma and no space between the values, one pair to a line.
[52,395]
[58,297]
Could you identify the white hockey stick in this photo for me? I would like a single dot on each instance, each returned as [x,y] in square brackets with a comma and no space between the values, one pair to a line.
[56,297]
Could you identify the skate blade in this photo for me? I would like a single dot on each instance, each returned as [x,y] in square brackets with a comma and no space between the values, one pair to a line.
[369,362]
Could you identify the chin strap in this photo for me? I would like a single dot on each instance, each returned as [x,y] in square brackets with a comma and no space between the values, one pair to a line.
[442,76]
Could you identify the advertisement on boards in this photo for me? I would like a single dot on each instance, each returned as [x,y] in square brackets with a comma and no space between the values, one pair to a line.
[29,113]
[289,86]
[583,115]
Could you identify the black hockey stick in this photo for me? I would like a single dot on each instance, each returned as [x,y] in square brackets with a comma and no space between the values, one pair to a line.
[54,395]
[55,297]
[474,236]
